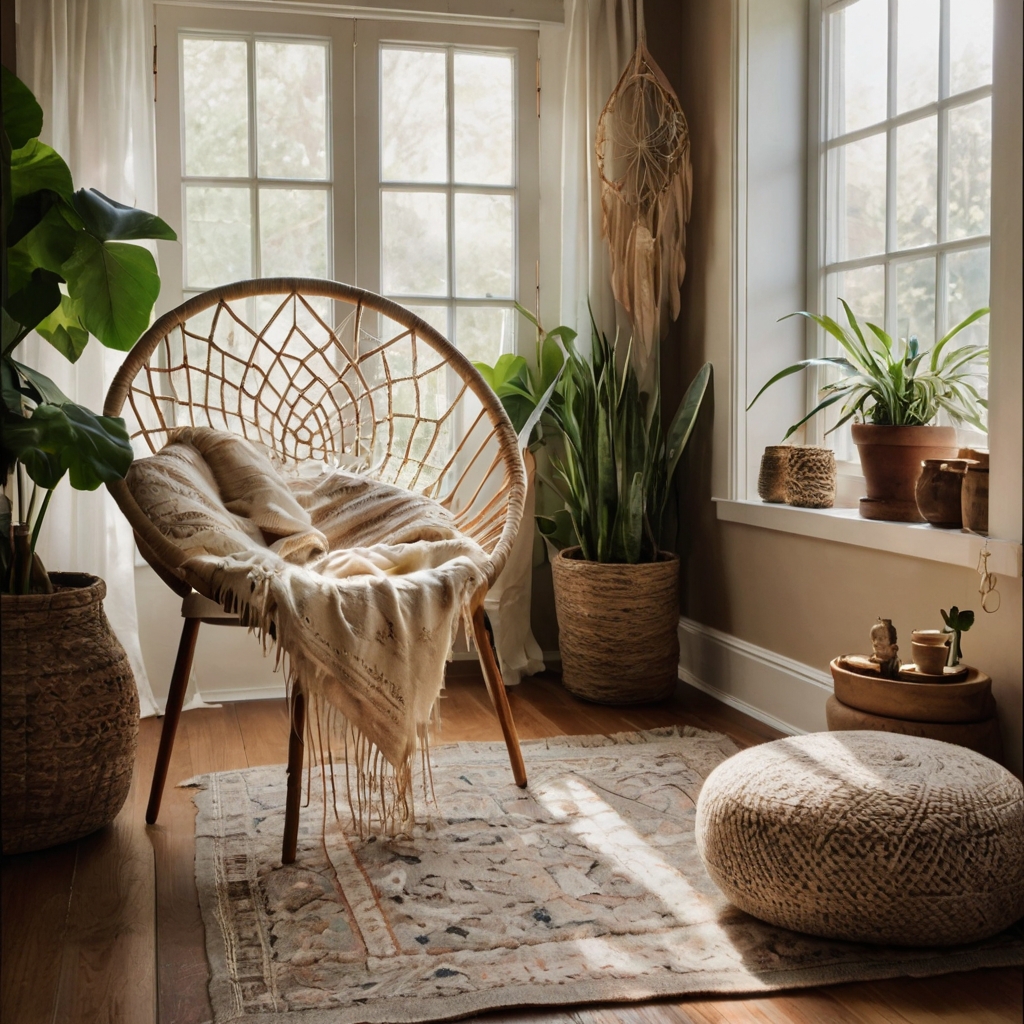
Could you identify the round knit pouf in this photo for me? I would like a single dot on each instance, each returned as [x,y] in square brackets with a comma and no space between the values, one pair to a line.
[867,836]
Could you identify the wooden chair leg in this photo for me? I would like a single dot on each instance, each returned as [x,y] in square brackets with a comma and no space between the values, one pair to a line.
[175,698]
[294,796]
[496,688]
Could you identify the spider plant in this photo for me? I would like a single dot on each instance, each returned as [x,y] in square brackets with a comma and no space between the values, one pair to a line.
[616,464]
[894,383]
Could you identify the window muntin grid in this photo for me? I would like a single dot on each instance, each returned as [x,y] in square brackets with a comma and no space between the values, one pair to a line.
[256,176]
[904,170]
[448,198]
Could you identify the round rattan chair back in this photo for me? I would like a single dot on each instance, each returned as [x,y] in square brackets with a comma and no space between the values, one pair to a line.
[317,370]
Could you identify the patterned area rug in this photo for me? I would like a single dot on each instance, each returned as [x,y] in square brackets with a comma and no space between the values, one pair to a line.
[584,888]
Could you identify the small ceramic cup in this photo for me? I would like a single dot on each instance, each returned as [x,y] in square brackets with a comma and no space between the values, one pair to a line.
[930,648]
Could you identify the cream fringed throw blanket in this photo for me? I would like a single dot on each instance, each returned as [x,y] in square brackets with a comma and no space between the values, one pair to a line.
[361,585]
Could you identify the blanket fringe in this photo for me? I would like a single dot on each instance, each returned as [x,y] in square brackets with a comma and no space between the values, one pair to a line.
[380,796]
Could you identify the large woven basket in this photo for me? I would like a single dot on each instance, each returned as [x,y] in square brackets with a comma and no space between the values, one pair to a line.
[617,627]
[70,715]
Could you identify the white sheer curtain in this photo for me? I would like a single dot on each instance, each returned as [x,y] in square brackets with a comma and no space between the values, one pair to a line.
[598,43]
[88,63]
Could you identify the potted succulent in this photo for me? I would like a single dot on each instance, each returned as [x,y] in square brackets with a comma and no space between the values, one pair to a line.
[70,707]
[895,391]
[616,588]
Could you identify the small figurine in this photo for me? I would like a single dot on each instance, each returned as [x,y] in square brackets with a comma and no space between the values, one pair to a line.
[885,649]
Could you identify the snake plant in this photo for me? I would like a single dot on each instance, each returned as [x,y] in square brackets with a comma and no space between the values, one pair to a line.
[616,464]
[894,383]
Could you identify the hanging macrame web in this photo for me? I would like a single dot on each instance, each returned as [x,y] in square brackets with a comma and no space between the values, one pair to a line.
[643,156]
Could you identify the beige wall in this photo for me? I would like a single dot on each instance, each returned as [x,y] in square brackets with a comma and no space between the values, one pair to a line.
[806,599]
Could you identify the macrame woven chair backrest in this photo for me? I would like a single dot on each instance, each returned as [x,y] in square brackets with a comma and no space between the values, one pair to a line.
[317,370]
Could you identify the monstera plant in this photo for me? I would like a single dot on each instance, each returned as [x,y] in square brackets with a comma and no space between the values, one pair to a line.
[69,273]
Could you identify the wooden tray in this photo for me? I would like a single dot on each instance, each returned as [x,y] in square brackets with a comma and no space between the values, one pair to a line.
[967,701]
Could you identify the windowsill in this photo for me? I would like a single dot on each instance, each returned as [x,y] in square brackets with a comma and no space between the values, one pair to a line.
[845,526]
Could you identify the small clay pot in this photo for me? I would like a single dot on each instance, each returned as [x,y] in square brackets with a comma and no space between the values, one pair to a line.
[771,480]
[938,491]
[931,649]
[978,455]
[974,499]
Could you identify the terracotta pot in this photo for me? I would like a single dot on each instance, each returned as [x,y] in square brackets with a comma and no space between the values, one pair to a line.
[891,459]
[930,648]
[70,715]
[967,701]
[974,499]
[617,627]
[938,491]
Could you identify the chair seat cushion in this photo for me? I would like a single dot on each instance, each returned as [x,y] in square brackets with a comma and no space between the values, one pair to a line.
[867,836]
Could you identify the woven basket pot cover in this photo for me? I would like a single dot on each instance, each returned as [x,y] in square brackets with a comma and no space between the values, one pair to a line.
[867,836]
[70,715]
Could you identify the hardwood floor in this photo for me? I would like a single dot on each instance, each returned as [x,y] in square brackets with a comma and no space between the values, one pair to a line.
[107,930]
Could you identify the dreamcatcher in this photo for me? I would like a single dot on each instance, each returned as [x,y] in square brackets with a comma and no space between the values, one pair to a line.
[643,156]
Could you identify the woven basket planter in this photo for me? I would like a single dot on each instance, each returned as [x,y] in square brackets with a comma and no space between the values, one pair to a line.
[70,715]
[617,627]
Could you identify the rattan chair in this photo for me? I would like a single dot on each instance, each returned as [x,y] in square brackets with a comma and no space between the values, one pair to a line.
[316,370]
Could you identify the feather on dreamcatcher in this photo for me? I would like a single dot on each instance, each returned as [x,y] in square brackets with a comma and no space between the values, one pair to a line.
[643,156]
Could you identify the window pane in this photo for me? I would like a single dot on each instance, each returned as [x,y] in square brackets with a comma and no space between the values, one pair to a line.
[864,292]
[291,109]
[483,246]
[414,243]
[436,316]
[970,169]
[915,183]
[483,333]
[293,232]
[857,221]
[413,115]
[216,107]
[483,119]
[970,44]
[860,33]
[915,301]
[967,276]
[218,238]
[917,54]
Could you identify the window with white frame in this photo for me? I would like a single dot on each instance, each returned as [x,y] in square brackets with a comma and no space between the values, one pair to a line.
[448,191]
[397,156]
[905,166]
[256,180]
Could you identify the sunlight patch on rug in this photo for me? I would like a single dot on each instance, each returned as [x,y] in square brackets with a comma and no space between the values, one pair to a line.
[585,887]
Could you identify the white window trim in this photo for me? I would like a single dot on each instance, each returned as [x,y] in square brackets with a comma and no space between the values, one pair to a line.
[821,145]
[525,14]
[171,19]
[353,183]
[843,525]
[525,187]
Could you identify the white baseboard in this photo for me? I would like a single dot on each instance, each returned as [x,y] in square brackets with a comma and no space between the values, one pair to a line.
[785,694]
[275,691]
